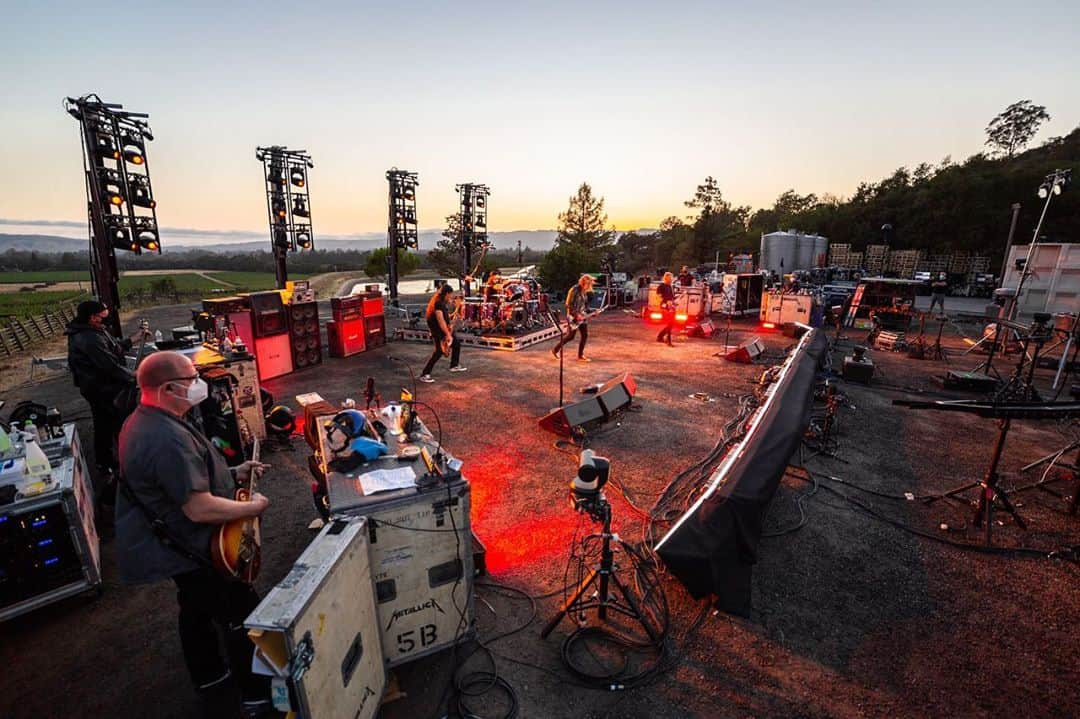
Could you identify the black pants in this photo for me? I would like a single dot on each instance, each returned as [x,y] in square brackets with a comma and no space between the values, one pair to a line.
[455,352]
[583,329]
[669,325]
[106,429]
[209,605]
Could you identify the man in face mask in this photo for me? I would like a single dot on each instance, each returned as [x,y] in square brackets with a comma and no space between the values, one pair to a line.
[172,477]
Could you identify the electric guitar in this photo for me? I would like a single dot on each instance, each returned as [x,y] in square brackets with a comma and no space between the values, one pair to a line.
[574,324]
[236,549]
[455,317]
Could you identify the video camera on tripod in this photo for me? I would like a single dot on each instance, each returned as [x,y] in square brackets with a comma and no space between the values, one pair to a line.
[586,490]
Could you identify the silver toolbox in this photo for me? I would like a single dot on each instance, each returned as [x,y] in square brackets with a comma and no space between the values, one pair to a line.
[317,629]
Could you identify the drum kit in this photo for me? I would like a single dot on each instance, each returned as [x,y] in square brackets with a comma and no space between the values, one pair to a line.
[511,306]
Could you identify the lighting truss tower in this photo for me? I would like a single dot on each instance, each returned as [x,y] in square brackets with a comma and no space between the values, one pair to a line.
[401,225]
[120,199]
[473,201]
[288,203]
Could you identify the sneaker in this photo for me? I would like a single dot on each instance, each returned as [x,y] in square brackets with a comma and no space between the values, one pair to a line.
[459,368]
[583,359]
[426,378]
[555,354]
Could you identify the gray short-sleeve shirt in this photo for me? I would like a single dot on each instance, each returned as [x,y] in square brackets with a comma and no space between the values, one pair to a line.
[163,459]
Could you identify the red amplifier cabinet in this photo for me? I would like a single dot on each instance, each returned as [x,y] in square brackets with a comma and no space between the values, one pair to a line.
[345,309]
[345,338]
[304,334]
[241,321]
[373,304]
[273,356]
[374,331]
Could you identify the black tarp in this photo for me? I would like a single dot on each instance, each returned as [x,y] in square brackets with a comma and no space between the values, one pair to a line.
[712,549]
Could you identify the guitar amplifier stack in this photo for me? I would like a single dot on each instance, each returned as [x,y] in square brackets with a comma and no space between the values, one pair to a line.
[305,338]
[358,324]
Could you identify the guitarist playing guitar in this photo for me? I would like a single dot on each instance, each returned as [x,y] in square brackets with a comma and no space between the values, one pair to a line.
[439,310]
[577,312]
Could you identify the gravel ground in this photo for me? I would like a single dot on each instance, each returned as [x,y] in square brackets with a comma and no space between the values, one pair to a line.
[853,617]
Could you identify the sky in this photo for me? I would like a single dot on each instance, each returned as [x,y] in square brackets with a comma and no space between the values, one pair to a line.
[641,100]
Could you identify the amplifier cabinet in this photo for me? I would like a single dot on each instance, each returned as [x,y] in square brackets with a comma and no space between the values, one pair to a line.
[373,304]
[49,543]
[304,335]
[273,355]
[268,313]
[318,630]
[374,331]
[422,567]
[348,308]
[220,306]
[345,338]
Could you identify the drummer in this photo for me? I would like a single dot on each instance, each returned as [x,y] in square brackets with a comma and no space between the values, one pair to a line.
[493,288]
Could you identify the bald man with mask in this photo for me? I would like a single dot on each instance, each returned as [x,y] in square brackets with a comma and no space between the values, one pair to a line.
[172,476]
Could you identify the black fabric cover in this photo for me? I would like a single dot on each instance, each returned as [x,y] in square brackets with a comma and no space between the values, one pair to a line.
[713,550]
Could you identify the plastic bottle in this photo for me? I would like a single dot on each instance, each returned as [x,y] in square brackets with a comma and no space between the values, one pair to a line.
[158,337]
[31,428]
[15,435]
[37,467]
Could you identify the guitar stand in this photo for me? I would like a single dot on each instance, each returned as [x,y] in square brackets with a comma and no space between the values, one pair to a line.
[603,576]
[991,496]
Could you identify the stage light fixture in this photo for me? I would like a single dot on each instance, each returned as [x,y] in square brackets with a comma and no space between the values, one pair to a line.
[105,147]
[1044,191]
[140,195]
[281,239]
[274,177]
[296,175]
[148,240]
[135,157]
[481,220]
[303,237]
[480,201]
[300,207]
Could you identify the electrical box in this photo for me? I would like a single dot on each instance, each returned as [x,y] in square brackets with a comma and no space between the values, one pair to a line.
[317,631]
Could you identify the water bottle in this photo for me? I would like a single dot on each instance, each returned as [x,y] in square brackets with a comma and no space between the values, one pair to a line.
[158,337]
[15,435]
[31,429]
[37,467]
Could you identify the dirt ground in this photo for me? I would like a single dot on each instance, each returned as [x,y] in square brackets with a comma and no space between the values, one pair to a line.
[853,616]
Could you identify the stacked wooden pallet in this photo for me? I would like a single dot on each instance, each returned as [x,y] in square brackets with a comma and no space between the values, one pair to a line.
[903,263]
[876,258]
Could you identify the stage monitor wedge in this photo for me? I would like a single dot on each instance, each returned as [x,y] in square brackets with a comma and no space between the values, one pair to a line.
[613,396]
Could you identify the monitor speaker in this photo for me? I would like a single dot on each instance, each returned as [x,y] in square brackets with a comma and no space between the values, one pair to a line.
[747,352]
[612,397]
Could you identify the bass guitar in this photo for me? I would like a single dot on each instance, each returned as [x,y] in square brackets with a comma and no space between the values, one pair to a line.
[236,549]
[574,324]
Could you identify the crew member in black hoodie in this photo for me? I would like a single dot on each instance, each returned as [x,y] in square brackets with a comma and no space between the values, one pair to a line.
[96,360]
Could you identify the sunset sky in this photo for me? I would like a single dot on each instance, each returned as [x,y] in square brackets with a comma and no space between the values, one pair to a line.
[642,100]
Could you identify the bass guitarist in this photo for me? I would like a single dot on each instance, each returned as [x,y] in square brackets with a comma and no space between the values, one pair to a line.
[175,491]
[577,310]
[439,309]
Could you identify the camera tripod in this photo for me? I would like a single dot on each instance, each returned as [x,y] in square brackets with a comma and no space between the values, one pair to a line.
[603,576]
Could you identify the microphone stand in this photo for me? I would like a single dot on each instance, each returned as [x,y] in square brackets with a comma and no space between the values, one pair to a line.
[555,321]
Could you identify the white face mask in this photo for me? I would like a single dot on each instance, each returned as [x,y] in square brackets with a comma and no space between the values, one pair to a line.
[196,392]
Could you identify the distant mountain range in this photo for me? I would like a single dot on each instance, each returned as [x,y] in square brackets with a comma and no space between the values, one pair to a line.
[205,241]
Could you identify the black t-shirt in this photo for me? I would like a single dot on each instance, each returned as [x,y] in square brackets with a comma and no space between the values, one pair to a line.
[666,292]
[433,319]
[163,459]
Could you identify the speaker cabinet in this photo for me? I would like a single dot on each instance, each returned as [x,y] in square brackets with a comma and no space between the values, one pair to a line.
[345,338]
[747,352]
[304,335]
[613,396]
[268,313]
[273,356]
[346,309]
[374,331]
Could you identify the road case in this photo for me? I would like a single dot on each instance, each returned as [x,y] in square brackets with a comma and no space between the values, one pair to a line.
[420,546]
[317,630]
[48,541]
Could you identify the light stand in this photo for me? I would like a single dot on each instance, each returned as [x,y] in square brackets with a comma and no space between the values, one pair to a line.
[288,203]
[473,203]
[401,232]
[117,182]
[1054,184]
[554,317]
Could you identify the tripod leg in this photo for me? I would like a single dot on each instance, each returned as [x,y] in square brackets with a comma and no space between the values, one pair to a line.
[1004,498]
[569,604]
[633,604]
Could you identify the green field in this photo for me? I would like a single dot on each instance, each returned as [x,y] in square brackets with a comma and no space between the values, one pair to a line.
[49,276]
[139,289]
[25,304]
